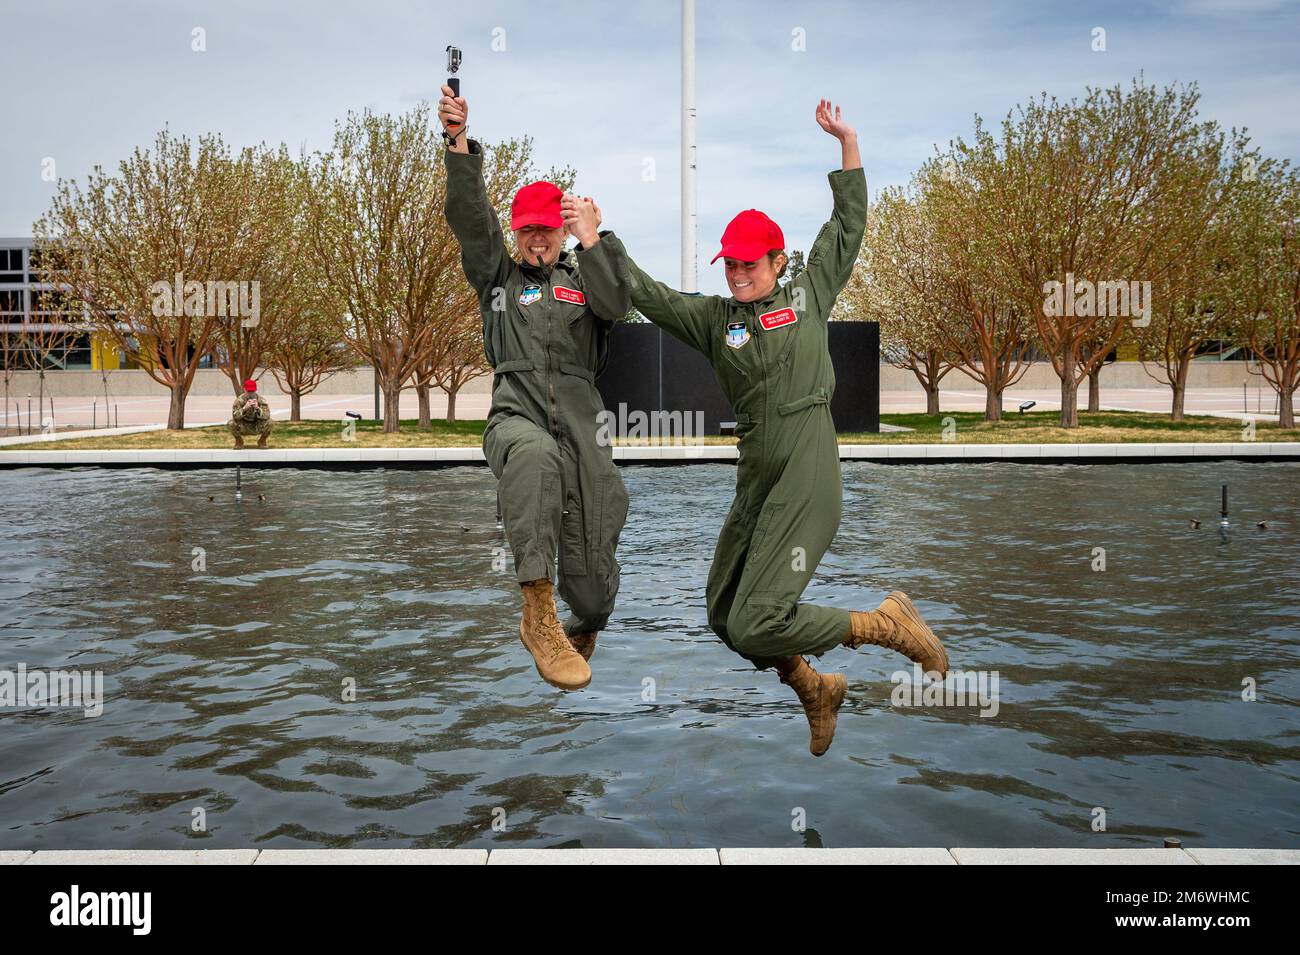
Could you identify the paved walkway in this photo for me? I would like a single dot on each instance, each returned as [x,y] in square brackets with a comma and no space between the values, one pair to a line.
[357,458]
[656,857]
[203,410]
[206,410]
[1220,402]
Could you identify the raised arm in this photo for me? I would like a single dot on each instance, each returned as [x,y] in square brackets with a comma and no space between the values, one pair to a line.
[474,222]
[688,318]
[835,251]
[602,260]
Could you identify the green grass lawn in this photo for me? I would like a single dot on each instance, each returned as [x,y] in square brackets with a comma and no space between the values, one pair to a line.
[971,428]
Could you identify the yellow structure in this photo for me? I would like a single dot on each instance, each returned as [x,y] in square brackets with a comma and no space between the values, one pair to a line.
[104,354]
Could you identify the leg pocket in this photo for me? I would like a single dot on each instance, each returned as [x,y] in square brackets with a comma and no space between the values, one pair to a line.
[610,516]
[573,539]
[612,512]
[771,512]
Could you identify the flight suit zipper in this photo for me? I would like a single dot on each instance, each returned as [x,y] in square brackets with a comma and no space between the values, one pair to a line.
[762,364]
[548,297]
[551,368]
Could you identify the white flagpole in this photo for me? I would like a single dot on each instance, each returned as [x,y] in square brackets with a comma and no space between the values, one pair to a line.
[689,275]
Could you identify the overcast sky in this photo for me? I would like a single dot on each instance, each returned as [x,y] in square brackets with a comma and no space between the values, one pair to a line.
[597,86]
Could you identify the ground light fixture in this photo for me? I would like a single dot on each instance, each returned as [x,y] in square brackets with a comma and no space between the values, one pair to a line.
[1026,405]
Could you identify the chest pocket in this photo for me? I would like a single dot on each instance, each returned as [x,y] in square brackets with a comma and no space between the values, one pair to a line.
[779,328]
[753,344]
[588,335]
[737,347]
[510,331]
[509,323]
[568,300]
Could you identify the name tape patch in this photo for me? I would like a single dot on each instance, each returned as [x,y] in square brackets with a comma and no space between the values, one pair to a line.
[572,296]
[771,320]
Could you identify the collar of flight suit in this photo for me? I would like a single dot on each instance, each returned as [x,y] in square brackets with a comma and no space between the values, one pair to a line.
[759,303]
[564,262]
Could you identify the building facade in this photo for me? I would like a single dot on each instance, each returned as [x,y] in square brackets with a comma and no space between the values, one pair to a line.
[37,329]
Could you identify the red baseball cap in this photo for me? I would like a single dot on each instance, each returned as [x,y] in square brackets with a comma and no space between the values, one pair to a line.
[538,203]
[749,237]
[250,385]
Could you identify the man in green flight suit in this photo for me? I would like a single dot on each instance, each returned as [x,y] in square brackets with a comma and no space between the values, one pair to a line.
[250,415]
[768,347]
[546,322]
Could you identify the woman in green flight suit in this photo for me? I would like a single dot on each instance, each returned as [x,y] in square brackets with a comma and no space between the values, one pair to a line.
[768,347]
[546,322]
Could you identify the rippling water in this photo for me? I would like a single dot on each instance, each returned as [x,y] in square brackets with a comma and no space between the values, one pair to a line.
[1119,688]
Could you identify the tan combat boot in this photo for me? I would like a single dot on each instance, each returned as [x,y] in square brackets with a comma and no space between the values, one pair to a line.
[557,662]
[584,643]
[239,442]
[897,625]
[261,442]
[821,695]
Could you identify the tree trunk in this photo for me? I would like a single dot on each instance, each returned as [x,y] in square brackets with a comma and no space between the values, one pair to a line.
[176,410]
[1286,409]
[1069,387]
[451,404]
[1179,385]
[992,404]
[422,393]
[1094,389]
[931,399]
[392,409]
[1069,401]
[295,402]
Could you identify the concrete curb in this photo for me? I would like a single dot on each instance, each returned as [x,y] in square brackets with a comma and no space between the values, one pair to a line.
[786,856]
[1245,856]
[365,458]
[76,435]
[603,857]
[372,857]
[143,857]
[1073,857]
[794,856]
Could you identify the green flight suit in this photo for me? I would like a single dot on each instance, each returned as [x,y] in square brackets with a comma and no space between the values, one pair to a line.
[772,361]
[245,421]
[546,335]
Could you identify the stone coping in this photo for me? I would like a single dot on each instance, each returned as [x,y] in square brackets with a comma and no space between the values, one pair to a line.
[364,458]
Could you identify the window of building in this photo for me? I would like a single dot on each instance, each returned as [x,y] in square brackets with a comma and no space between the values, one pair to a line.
[11,265]
[11,301]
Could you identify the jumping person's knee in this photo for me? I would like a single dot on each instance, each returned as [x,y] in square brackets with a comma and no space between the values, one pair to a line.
[536,452]
[757,627]
[518,446]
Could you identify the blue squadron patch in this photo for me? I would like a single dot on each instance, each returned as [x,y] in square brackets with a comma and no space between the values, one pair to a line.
[737,334]
[530,294]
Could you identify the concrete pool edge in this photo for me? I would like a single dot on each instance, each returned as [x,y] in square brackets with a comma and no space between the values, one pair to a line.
[724,856]
[367,458]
